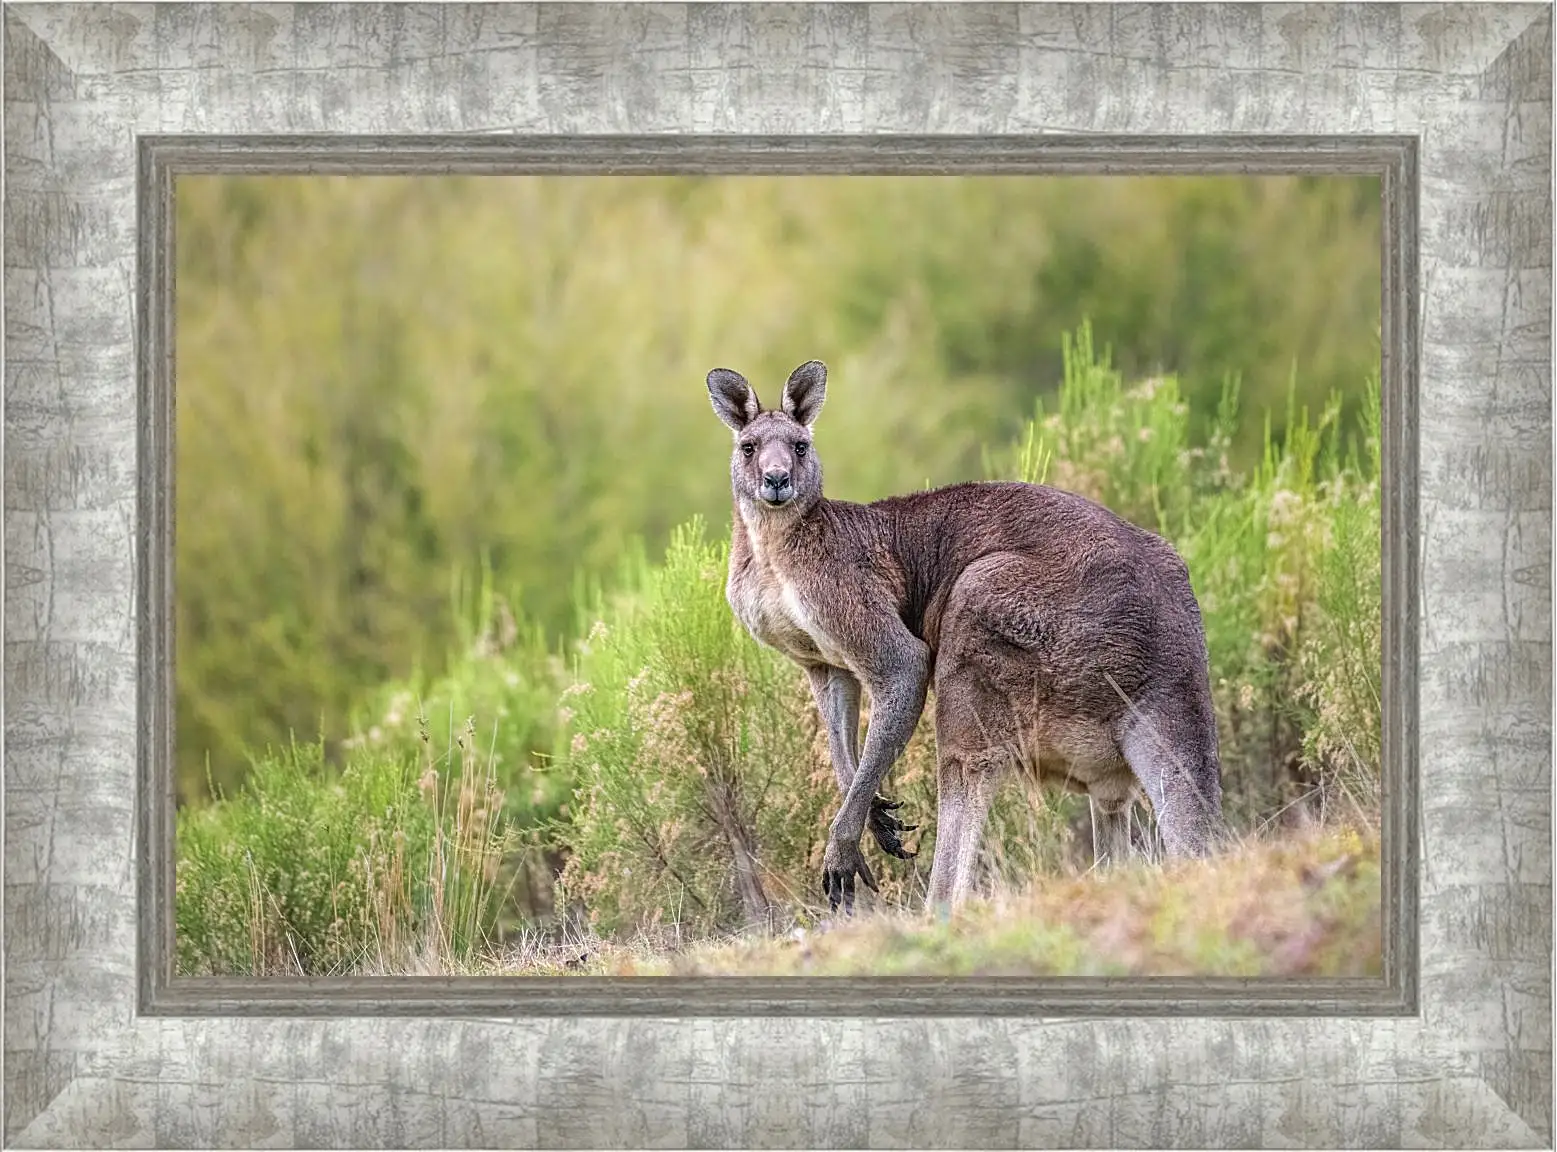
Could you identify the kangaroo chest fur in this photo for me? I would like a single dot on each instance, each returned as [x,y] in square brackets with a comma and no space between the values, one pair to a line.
[775,606]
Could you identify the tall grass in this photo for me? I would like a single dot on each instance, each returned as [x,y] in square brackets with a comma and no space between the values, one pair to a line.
[392,866]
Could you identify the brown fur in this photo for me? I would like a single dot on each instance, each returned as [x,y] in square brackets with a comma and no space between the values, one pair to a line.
[1059,638]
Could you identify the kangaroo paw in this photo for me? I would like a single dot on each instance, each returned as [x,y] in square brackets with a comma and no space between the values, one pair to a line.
[840,864]
[888,829]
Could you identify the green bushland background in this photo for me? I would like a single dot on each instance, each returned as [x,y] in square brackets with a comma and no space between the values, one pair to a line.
[453,661]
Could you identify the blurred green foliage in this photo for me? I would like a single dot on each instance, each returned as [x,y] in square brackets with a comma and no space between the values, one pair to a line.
[385,384]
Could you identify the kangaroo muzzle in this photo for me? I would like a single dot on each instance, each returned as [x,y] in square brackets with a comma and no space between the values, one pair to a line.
[776,486]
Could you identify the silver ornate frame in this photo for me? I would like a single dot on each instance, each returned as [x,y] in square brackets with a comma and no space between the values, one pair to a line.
[105,105]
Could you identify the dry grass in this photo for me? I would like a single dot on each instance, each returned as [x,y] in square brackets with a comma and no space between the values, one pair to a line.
[1304,905]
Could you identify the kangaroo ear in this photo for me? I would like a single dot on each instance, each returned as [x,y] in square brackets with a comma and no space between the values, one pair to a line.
[734,401]
[805,391]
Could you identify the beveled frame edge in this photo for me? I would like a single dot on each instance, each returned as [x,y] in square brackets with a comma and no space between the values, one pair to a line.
[162,158]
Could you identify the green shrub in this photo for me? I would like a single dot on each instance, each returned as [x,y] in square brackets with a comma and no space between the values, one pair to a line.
[693,752]
[501,672]
[391,865]
[1340,656]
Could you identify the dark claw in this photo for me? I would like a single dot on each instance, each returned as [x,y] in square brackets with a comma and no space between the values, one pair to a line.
[887,820]
[838,874]
[839,887]
[888,829]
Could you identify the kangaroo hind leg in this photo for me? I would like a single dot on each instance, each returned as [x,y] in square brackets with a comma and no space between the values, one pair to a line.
[1112,800]
[975,744]
[967,786]
[1110,834]
[980,721]
[1173,752]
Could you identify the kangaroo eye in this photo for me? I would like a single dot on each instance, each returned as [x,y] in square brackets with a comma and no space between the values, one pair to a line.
[800,447]
[747,450]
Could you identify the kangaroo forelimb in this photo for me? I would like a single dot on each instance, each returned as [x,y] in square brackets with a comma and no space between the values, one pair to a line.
[837,695]
[897,701]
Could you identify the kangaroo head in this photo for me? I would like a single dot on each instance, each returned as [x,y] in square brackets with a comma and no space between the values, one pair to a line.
[773,464]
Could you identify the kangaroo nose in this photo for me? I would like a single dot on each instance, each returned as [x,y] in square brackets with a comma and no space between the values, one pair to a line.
[777,478]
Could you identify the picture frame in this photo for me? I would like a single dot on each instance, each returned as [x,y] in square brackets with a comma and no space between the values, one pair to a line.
[1450,103]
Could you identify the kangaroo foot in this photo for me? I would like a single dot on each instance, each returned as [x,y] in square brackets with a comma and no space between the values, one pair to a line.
[888,829]
[840,864]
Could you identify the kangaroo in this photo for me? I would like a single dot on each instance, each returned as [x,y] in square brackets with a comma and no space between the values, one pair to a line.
[1061,640]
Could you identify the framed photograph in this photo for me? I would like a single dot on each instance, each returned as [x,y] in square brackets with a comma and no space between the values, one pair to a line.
[813,574]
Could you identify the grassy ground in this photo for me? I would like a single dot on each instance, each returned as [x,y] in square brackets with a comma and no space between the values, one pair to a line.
[1305,905]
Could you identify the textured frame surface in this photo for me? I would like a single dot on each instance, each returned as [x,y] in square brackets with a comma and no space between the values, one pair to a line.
[1470,83]
[164,158]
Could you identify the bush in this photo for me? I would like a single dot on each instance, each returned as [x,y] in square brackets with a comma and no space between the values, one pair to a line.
[1340,655]
[693,753]
[391,866]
